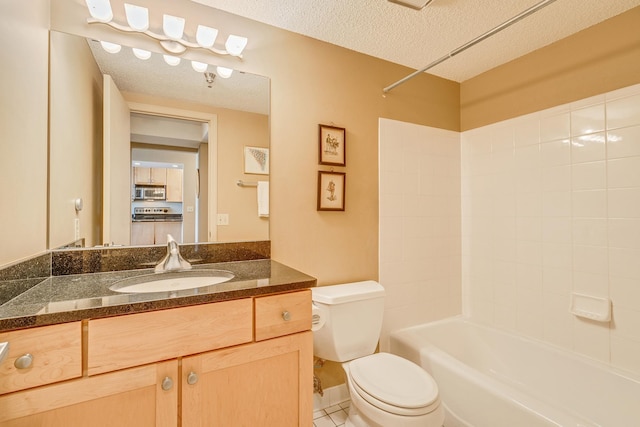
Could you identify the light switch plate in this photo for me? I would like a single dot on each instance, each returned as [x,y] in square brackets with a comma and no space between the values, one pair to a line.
[223,219]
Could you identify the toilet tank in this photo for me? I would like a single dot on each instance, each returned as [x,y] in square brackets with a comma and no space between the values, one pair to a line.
[352,315]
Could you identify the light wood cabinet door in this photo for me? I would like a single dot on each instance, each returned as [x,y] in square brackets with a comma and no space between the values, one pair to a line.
[121,342]
[174,185]
[155,233]
[138,397]
[155,176]
[164,228]
[269,383]
[282,314]
[142,233]
[40,356]
[158,176]
[141,175]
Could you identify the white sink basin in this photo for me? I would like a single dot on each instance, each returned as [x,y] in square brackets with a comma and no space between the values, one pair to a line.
[171,281]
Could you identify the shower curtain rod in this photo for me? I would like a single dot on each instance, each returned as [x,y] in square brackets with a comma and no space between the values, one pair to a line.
[473,42]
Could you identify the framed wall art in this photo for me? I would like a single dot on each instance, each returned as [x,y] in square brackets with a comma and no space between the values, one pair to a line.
[332,143]
[256,160]
[331,191]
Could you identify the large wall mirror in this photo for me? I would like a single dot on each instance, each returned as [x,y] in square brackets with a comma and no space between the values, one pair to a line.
[201,130]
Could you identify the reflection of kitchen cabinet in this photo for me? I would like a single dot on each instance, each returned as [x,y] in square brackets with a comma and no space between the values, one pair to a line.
[142,369]
[174,185]
[163,228]
[155,233]
[142,233]
[153,176]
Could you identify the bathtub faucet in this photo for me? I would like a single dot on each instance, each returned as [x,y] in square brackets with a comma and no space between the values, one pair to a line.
[172,261]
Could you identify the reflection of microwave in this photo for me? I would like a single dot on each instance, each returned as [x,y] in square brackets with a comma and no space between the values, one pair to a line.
[150,193]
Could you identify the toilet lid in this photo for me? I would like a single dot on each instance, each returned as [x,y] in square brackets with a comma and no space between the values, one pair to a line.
[394,381]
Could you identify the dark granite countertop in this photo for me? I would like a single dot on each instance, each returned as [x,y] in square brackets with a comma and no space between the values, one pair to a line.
[61,299]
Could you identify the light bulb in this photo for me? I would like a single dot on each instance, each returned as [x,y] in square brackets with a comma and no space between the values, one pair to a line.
[111,47]
[141,53]
[200,67]
[137,17]
[173,26]
[206,36]
[171,60]
[224,72]
[100,10]
[235,44]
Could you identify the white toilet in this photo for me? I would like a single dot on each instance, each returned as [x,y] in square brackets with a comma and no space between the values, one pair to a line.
[386,390]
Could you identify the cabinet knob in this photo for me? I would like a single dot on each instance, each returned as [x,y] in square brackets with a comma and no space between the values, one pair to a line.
[24,361]
[286,316]
[167,383]
[192,378]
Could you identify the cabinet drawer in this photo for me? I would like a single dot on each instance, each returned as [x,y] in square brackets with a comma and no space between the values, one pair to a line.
[136,339]
[56,355]
[282,314]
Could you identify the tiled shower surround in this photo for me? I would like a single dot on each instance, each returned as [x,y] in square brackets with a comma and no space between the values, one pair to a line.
[527,211]
[551,206]
[419,224]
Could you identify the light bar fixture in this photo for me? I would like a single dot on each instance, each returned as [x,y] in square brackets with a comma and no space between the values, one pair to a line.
[172,38]
[413,4]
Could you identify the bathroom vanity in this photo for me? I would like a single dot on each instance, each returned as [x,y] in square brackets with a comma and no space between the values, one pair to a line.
[241,355]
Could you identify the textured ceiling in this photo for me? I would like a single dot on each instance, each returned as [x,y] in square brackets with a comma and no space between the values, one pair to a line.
[416,38]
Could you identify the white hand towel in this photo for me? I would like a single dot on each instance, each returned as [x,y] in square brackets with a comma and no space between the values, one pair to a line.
[263,199]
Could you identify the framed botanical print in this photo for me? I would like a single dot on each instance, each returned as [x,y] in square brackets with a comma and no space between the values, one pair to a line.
[332,145]
[331,191]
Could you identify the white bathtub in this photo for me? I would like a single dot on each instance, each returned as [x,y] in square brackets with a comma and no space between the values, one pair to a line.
[490,378]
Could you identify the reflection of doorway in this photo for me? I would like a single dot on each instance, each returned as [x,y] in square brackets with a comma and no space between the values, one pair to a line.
[157,202]
[175,131]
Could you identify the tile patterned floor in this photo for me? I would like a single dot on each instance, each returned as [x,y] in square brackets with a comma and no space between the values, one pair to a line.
[333,416]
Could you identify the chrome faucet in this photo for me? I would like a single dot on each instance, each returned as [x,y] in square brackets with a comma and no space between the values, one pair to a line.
[172,261]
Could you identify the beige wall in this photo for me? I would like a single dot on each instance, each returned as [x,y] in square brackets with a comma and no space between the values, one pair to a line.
[601,58]
[203,200]
[236,130]
[75,141]
[23,121]
[313,83]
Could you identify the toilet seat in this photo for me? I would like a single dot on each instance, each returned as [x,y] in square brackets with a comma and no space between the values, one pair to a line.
[394,384]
